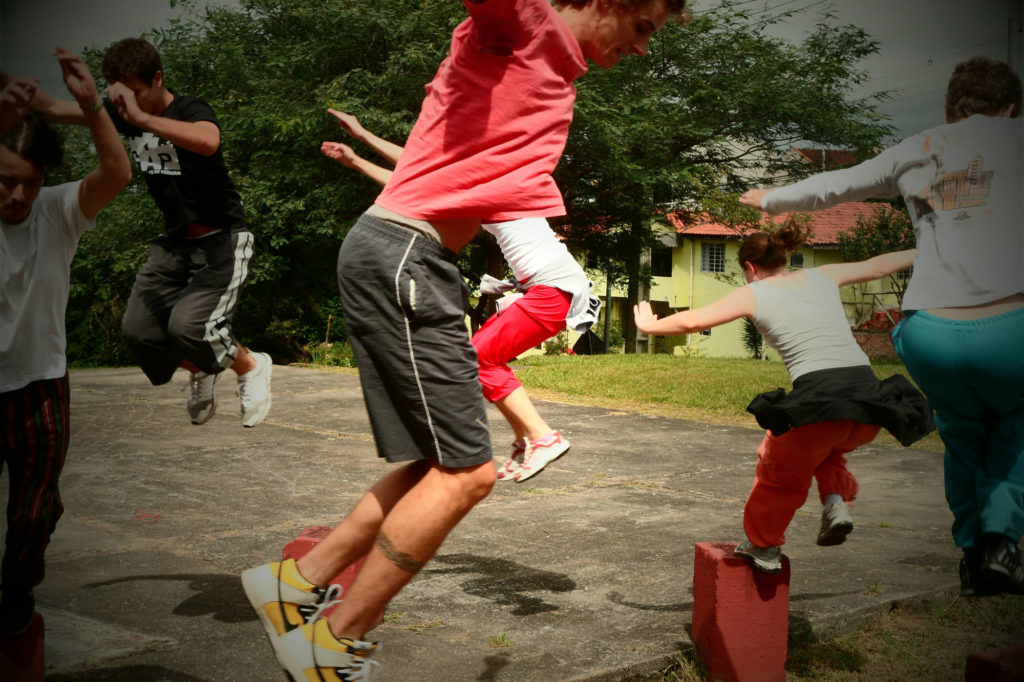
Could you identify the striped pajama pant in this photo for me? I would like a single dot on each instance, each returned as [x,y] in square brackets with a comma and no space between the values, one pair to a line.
[33,446]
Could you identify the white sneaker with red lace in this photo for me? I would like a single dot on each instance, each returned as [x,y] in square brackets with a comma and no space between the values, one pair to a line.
[541,452]
[510,469]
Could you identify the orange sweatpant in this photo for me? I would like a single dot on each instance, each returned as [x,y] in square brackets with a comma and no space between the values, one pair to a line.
[785,466]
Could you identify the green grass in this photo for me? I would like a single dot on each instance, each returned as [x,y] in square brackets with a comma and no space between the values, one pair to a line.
[706,389]
[926,641]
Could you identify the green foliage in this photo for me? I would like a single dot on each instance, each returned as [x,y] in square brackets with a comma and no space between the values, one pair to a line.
[650,135]
[333,355]
[752,339]
[677,129]
[887,229]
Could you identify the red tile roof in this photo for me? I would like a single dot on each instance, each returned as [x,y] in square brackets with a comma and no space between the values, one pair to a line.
[827,224]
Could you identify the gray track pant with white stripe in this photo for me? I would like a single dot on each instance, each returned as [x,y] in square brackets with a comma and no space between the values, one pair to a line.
[183,301]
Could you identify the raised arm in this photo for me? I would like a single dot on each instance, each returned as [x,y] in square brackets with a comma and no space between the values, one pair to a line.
[350,124]
[15,100]
[344,155]
[734,305]
[200,137]
[100,186]
[870,269]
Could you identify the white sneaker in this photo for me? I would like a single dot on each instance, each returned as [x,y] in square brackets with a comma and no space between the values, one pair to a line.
[311,652]
[202,399]
[836,524]
[510,469]
[254,390]
[540,453]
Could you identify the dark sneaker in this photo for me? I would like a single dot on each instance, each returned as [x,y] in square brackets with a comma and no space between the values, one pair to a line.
[202,399]
[313,653]
[767,559]
[971,584]
[1001,567]
[836,524]
[16,611]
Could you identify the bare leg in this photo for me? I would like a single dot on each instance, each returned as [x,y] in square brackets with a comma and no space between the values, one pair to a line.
[354,536]
[522,416]
[410,534]
[244,363]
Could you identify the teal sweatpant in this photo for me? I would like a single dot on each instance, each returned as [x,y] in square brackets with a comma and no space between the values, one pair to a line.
[972,372]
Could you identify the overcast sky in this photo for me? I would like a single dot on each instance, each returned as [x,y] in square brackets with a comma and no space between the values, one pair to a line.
[921,40]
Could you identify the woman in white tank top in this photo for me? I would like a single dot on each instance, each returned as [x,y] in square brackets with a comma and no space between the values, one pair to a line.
[836,405]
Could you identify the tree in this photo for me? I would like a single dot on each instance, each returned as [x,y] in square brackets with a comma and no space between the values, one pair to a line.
[674,129]
[679,128]
[887,229]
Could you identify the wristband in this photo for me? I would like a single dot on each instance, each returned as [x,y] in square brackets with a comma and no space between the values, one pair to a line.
[96,107]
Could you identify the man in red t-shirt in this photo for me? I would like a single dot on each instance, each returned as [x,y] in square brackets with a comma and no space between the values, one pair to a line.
[490,132]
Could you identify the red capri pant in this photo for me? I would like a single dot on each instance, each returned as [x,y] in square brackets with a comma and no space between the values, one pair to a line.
[533,319]
[785,466]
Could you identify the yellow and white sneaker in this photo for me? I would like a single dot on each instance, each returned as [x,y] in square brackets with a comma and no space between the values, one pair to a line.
[284,600]
[311,652]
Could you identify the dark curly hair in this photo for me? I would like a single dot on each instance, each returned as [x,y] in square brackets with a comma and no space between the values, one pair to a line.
[982,86]
[131,58]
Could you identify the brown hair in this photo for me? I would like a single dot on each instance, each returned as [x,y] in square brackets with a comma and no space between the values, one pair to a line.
[982,86]
[33,139]
[771,249]
[676,7]
[131,58]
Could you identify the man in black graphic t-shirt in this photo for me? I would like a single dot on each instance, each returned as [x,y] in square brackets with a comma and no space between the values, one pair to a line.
[180,309]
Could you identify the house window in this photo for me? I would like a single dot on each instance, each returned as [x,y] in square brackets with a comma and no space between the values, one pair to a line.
[904,275]
[706,332]
[796,260]
[661,261]
[712,257]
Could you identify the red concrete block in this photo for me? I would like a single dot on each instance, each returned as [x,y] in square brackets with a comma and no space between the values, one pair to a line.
[740,616]
[306,541]
[21,657]
[1005,664]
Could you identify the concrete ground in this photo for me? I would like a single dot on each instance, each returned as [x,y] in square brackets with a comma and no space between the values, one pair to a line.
[583,573]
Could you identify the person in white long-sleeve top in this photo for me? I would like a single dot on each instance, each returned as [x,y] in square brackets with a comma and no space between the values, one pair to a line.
[963,328]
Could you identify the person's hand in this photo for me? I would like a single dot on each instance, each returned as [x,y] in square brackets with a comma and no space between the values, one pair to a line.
[124,99]
[78,79]
[753,197]
[15,101]
[349,123]
[339,152]
[644,317]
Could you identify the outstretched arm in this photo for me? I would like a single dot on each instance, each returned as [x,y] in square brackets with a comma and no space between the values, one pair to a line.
[734,305]
[870,269]
[344,155]
[99,187]
[350,124]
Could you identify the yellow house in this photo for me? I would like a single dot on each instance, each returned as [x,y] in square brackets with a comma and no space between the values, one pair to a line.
[697,265]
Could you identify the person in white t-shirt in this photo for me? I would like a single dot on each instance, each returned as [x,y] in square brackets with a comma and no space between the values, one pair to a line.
[39,232]
[963,326]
